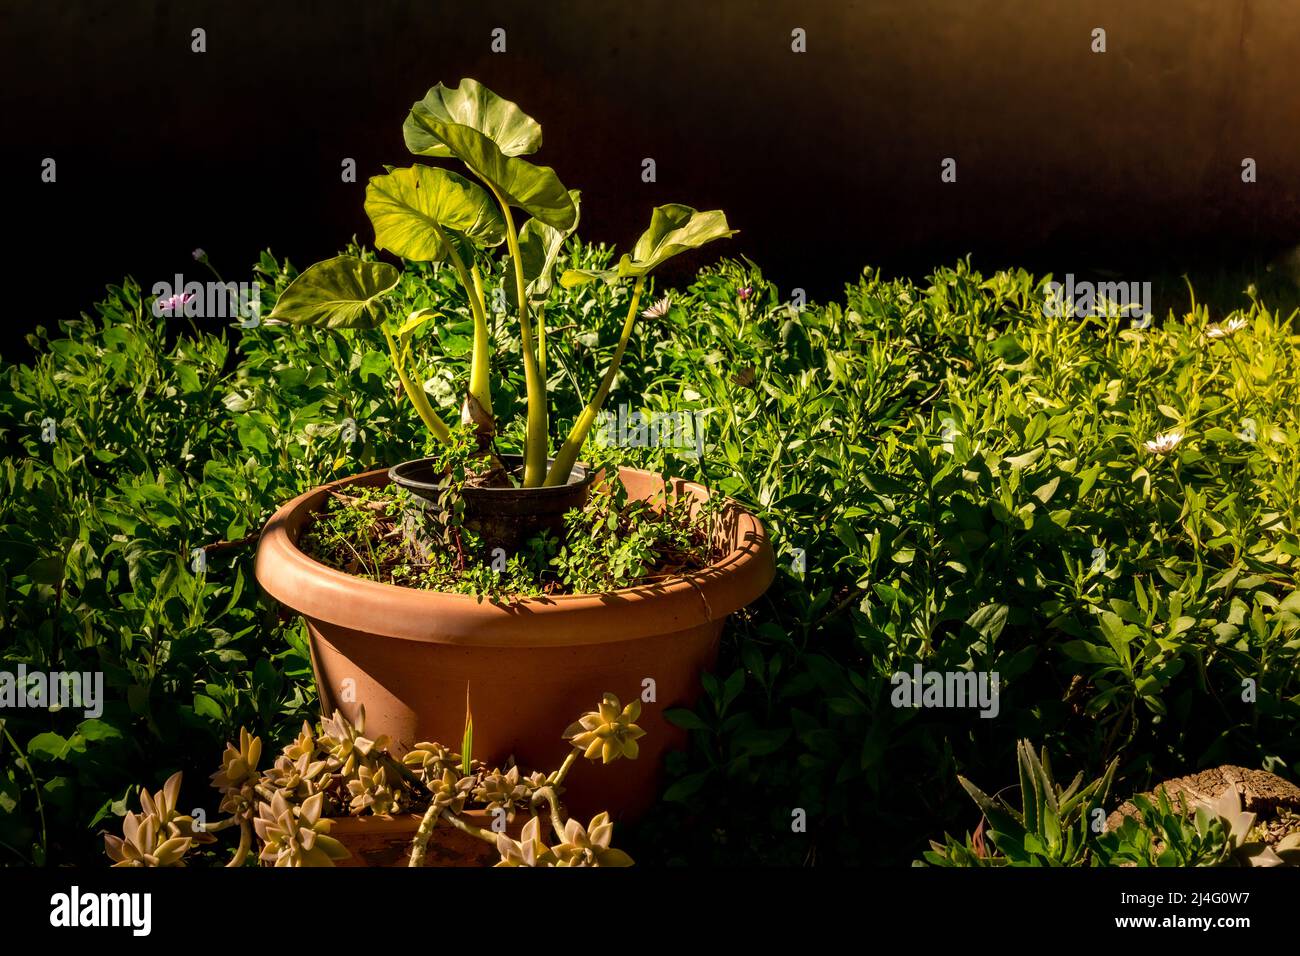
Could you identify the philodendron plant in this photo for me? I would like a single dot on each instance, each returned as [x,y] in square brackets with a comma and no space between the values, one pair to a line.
[433,214]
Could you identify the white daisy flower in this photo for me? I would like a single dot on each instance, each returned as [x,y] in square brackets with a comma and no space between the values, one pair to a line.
[659,309]
[1226,329]
[1164,444]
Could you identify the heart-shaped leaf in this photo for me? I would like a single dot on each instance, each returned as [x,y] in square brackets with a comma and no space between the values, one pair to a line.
[674,229]
[407,207]
[575,277]
[417,319]
[539,247]
[339,293]
[432,129]
[473,105]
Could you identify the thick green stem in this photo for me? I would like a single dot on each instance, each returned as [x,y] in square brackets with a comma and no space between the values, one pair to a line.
[568,453]
[480,371]
[480,387]
[415,393]
[536,440]
[541,343]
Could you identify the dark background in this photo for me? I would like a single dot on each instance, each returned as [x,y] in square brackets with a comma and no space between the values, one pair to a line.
[1127,161]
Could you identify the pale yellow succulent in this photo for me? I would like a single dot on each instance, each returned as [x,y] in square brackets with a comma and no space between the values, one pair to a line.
[145,842]
[500,791]
[304,743]
[609,732]
[430,760]
[589,846]
[449,792]
[371,790]
[346,744]
[297,779]
[529,850]
[296,836]
[162,807]
[1245,848]
[238,777]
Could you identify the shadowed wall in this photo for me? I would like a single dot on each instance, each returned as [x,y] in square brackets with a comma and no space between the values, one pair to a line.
[826,160]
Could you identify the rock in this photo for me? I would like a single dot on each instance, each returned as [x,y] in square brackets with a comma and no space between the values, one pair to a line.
[1262,792]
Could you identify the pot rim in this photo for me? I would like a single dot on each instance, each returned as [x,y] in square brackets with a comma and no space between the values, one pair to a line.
[325,595]
[580,476]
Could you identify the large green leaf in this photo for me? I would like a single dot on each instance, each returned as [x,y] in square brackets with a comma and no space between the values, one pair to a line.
[407,206]
[339,293]
[674,229]
[539,247]
[473,105]
[431,129]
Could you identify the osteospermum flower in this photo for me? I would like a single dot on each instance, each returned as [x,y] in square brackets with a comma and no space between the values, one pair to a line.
[1164,444]
[1226,329]
[659,309]
[168,305]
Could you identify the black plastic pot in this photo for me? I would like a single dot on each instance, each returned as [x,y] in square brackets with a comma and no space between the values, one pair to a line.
[502,517]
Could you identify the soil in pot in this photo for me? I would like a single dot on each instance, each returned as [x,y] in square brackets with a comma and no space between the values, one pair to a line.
[612,542]
[499,516]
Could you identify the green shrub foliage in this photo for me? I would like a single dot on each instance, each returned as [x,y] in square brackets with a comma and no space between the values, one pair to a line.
[951,477]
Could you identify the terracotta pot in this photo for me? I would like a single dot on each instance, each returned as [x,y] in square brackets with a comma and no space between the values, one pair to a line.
[532,665]
[386,841]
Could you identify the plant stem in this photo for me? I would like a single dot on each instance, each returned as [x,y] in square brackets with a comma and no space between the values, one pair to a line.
[536,440]
[26,764]
[557,778]
[548,792]
[416,394]
[568,453]
[469,828]
[480,386]
[541,342]
[422,834]
[245,843]
[425,831]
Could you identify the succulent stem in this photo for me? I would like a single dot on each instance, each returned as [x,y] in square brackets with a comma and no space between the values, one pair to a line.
[245,843]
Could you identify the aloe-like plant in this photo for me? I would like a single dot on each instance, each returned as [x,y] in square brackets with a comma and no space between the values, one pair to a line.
[433,214]
[1049,828]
